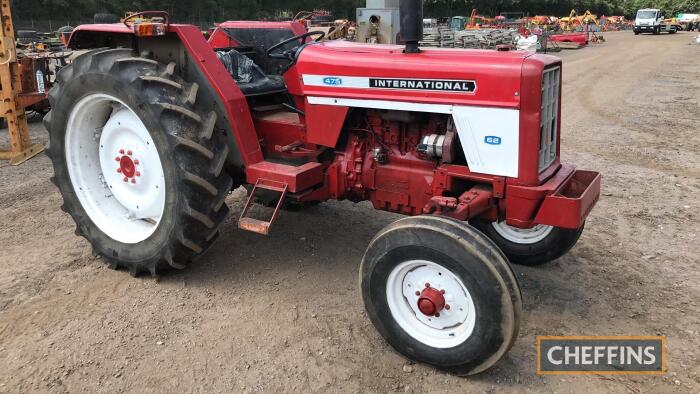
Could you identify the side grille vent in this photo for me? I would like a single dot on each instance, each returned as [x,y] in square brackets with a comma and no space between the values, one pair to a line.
[549,117]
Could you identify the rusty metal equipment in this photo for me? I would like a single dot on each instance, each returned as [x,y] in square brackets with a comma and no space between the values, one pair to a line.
[321,20]
[14,99]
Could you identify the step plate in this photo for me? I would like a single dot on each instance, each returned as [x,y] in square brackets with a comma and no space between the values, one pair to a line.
[254,225]
[297,179]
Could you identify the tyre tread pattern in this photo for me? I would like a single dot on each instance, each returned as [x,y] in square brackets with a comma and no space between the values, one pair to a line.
[489,254]
[199,154]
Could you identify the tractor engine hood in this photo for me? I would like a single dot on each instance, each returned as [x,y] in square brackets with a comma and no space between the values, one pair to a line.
[435,76]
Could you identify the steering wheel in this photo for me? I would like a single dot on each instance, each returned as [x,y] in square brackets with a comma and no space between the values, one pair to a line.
[288,54]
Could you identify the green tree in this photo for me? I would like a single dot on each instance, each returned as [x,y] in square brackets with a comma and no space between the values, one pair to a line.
[58,12]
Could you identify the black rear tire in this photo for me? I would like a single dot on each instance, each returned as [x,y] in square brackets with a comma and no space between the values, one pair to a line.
[555,245]
[468,256]
[192,155]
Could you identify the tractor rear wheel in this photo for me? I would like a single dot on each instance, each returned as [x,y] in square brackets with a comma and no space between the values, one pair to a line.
[534,246]
[441,293]
[137,160]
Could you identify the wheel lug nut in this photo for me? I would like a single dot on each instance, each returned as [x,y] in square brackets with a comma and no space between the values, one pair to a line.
[437,315]
[137,173]
[119,170]
[427,285]
[126,179]
[133,181]
[128,153]
[447,306]
[121,151]
[118,158]
[442,291]
[136,162]
[417,293]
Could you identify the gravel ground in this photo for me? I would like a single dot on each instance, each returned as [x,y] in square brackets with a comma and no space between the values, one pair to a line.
[283,313]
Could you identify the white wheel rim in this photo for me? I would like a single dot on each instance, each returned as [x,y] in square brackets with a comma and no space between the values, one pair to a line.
[115,168]
[522,236]
[455,323]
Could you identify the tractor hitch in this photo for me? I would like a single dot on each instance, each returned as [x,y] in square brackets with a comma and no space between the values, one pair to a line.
[471,203]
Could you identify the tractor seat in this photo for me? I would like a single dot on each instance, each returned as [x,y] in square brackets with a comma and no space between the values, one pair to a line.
[251,79]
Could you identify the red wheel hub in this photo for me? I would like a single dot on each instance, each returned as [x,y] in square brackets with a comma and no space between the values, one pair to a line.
[431,301]
[127,166]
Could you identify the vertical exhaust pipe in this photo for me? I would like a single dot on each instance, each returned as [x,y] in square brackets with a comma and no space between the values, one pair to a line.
[411,24]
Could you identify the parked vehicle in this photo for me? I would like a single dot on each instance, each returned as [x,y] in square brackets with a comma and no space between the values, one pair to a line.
[650,20]
[153,126]
[689,22]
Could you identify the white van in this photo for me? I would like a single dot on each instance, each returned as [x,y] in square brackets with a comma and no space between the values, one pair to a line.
[650,20]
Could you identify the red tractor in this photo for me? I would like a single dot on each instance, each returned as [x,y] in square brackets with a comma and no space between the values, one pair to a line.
[152,128]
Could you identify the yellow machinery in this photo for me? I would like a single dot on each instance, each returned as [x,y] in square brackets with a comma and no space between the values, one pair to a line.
[573,21]
[14,100]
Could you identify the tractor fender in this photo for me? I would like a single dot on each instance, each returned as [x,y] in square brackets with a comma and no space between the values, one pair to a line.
[185,51]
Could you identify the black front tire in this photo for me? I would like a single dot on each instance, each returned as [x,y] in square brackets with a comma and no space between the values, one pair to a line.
[553,246]
[467,255]
[192,155]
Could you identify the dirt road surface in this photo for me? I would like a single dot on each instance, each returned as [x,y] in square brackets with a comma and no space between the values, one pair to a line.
[283,313]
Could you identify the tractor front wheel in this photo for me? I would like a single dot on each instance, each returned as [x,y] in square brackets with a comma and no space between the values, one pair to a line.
[137,160]
[441,293]
[533,246]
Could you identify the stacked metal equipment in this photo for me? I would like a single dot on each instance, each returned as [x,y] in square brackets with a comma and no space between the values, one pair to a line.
[431,37]
[438,37]
[485,38]
[447,37]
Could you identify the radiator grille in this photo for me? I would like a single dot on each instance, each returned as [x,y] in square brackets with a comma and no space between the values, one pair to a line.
[549,117]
